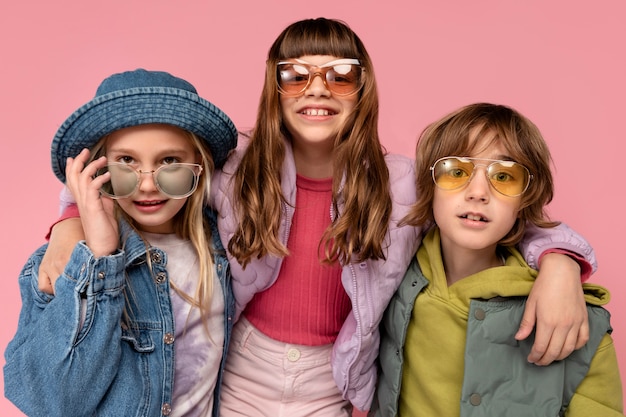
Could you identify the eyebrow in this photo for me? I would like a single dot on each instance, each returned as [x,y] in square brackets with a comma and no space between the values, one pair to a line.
[131,151]
[505,158]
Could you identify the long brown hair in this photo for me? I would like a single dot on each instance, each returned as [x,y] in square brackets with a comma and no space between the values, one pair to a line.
[456,134]
[360,175]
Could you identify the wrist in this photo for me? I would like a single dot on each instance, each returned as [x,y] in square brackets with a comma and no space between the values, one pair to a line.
[560,260]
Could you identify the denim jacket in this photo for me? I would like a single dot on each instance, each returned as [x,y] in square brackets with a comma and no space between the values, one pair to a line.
[56,366]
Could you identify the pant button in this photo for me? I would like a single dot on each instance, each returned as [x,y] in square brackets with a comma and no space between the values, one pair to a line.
[293,354]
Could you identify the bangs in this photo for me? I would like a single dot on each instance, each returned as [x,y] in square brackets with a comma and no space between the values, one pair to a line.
[317,37]
[483,137]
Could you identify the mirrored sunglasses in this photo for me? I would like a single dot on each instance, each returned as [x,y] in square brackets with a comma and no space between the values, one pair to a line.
[506,177]
[342,76]
[178,180]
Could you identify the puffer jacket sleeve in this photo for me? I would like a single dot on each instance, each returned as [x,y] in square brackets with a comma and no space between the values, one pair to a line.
[537,240]
[64,355]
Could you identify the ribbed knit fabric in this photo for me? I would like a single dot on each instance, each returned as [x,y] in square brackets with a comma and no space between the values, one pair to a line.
[307,304]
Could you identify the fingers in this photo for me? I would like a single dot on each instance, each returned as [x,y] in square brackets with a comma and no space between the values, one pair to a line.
[569,345]
[557,335]
[556,342]
[548,347]
[552,346]
[63,237]
[44,282]
[80,176]
[556,306]
[541,348]
[74,166]
[528,321]
[49,271]
[583,335]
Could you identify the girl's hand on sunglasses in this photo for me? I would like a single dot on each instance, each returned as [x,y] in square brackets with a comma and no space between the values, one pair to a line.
[96,212]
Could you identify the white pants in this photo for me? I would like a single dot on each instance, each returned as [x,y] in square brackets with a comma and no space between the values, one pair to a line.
[265,377]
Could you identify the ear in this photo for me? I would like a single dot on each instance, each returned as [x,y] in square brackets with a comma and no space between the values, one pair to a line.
[199,159]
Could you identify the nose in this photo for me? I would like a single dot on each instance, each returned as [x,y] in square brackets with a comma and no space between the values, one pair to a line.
[317,85]
[478,188]
[146,181]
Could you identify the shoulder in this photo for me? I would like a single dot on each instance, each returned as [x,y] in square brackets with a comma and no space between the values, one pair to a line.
[221,179]
[234,158]
[397,162]
[401,178]
[401,168]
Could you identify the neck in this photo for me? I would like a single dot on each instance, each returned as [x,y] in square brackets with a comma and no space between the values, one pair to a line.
[313,161]
[461,263]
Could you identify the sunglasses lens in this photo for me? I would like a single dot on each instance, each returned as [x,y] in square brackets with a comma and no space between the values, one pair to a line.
[506,177]
[341,79]
[292,78]
[344,79]
[123,181]
[452,173]
[176,181]
[509,178]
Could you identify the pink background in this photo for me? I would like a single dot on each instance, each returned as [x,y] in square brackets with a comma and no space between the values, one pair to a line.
[561,63]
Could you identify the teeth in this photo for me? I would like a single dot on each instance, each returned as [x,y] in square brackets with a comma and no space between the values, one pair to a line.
[473,217]
[316,112]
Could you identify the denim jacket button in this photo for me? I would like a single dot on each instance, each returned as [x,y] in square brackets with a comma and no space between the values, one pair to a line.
[160,278]
[101,275]
[168,339]
[156,257]
[166,409]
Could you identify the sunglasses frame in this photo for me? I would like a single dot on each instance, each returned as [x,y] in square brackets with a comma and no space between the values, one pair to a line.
[491,163]
[322,71]
[196,170]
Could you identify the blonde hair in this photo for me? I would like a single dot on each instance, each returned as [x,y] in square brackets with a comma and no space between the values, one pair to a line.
[186,223]
[360,179]
[456,134]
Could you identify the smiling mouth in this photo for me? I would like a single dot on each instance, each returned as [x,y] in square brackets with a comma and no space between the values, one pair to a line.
[149,203]
[474,217]
[317,112]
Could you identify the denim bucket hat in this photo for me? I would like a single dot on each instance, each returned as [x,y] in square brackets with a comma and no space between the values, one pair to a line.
[141,97]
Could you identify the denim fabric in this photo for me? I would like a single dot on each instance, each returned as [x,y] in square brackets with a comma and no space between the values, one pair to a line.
[56,366]
[139,97]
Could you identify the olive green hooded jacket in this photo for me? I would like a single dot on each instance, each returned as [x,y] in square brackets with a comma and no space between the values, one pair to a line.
[497,379]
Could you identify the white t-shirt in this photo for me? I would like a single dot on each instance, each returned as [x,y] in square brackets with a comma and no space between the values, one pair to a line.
[197,354]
